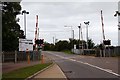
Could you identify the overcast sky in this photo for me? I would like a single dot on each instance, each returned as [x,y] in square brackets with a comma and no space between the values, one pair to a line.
[53,16]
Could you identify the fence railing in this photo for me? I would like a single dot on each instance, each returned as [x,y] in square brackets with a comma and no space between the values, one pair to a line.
[20,56]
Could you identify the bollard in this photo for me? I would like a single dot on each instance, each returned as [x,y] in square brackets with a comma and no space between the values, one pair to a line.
[28,56]
[42,59]
[28,59]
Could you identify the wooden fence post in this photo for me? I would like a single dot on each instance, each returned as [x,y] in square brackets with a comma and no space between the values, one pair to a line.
[3,57]
[15,56]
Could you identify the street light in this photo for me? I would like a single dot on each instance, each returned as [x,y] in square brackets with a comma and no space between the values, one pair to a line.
[87,23]
[72,35]
[25,12]
[72,31]
[79,34]
[118,14]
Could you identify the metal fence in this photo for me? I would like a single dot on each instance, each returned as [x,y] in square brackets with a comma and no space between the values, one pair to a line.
[108,52]
[20,56]
[115,51]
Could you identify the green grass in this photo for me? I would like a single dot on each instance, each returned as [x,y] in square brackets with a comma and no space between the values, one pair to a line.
[25,72]
[67,52]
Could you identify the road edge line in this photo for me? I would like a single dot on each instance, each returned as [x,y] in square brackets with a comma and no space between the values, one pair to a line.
[97,67]
[62,71]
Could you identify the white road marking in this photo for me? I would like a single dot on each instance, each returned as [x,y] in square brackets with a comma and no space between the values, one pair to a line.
[106,70]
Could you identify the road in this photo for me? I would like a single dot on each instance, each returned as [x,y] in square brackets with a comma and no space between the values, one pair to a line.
[85,67]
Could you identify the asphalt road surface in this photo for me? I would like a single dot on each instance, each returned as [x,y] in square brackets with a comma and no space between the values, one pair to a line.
[86,67]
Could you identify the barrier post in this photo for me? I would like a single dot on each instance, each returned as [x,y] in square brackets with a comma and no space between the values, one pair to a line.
[28,56]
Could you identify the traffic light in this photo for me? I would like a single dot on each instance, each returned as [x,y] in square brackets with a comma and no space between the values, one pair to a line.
[39,41]
[107,42]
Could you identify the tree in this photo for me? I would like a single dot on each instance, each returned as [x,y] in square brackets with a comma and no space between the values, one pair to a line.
[91,44]
[68,45]
[10,27]
[62,45]
[21,34]
[76,42]
[48,46]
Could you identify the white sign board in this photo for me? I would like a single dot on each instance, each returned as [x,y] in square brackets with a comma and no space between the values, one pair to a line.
[25,44]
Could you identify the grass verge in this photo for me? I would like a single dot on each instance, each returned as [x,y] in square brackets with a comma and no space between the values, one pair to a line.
[67,52]
[23,73]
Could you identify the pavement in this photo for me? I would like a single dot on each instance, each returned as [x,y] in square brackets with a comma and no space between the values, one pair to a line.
[53,71]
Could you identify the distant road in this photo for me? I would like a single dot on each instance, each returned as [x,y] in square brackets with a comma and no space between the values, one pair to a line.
[86,67]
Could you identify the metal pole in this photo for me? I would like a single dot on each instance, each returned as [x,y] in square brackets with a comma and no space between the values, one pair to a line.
[24,13]
[73,34]
[82,40]
[53,40]
[79,36]
[87,34]
[87,23]
[73,41]
[25,23]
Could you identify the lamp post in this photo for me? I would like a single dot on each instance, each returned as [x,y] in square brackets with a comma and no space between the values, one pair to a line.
[79,35]
[24,12]
[72,32]
[87,23]
[72,36]
[117,13]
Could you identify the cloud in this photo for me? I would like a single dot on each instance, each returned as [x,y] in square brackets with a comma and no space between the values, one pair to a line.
[54,15]
[70,0]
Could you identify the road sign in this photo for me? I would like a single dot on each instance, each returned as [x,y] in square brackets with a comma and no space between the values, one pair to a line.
[25,44]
